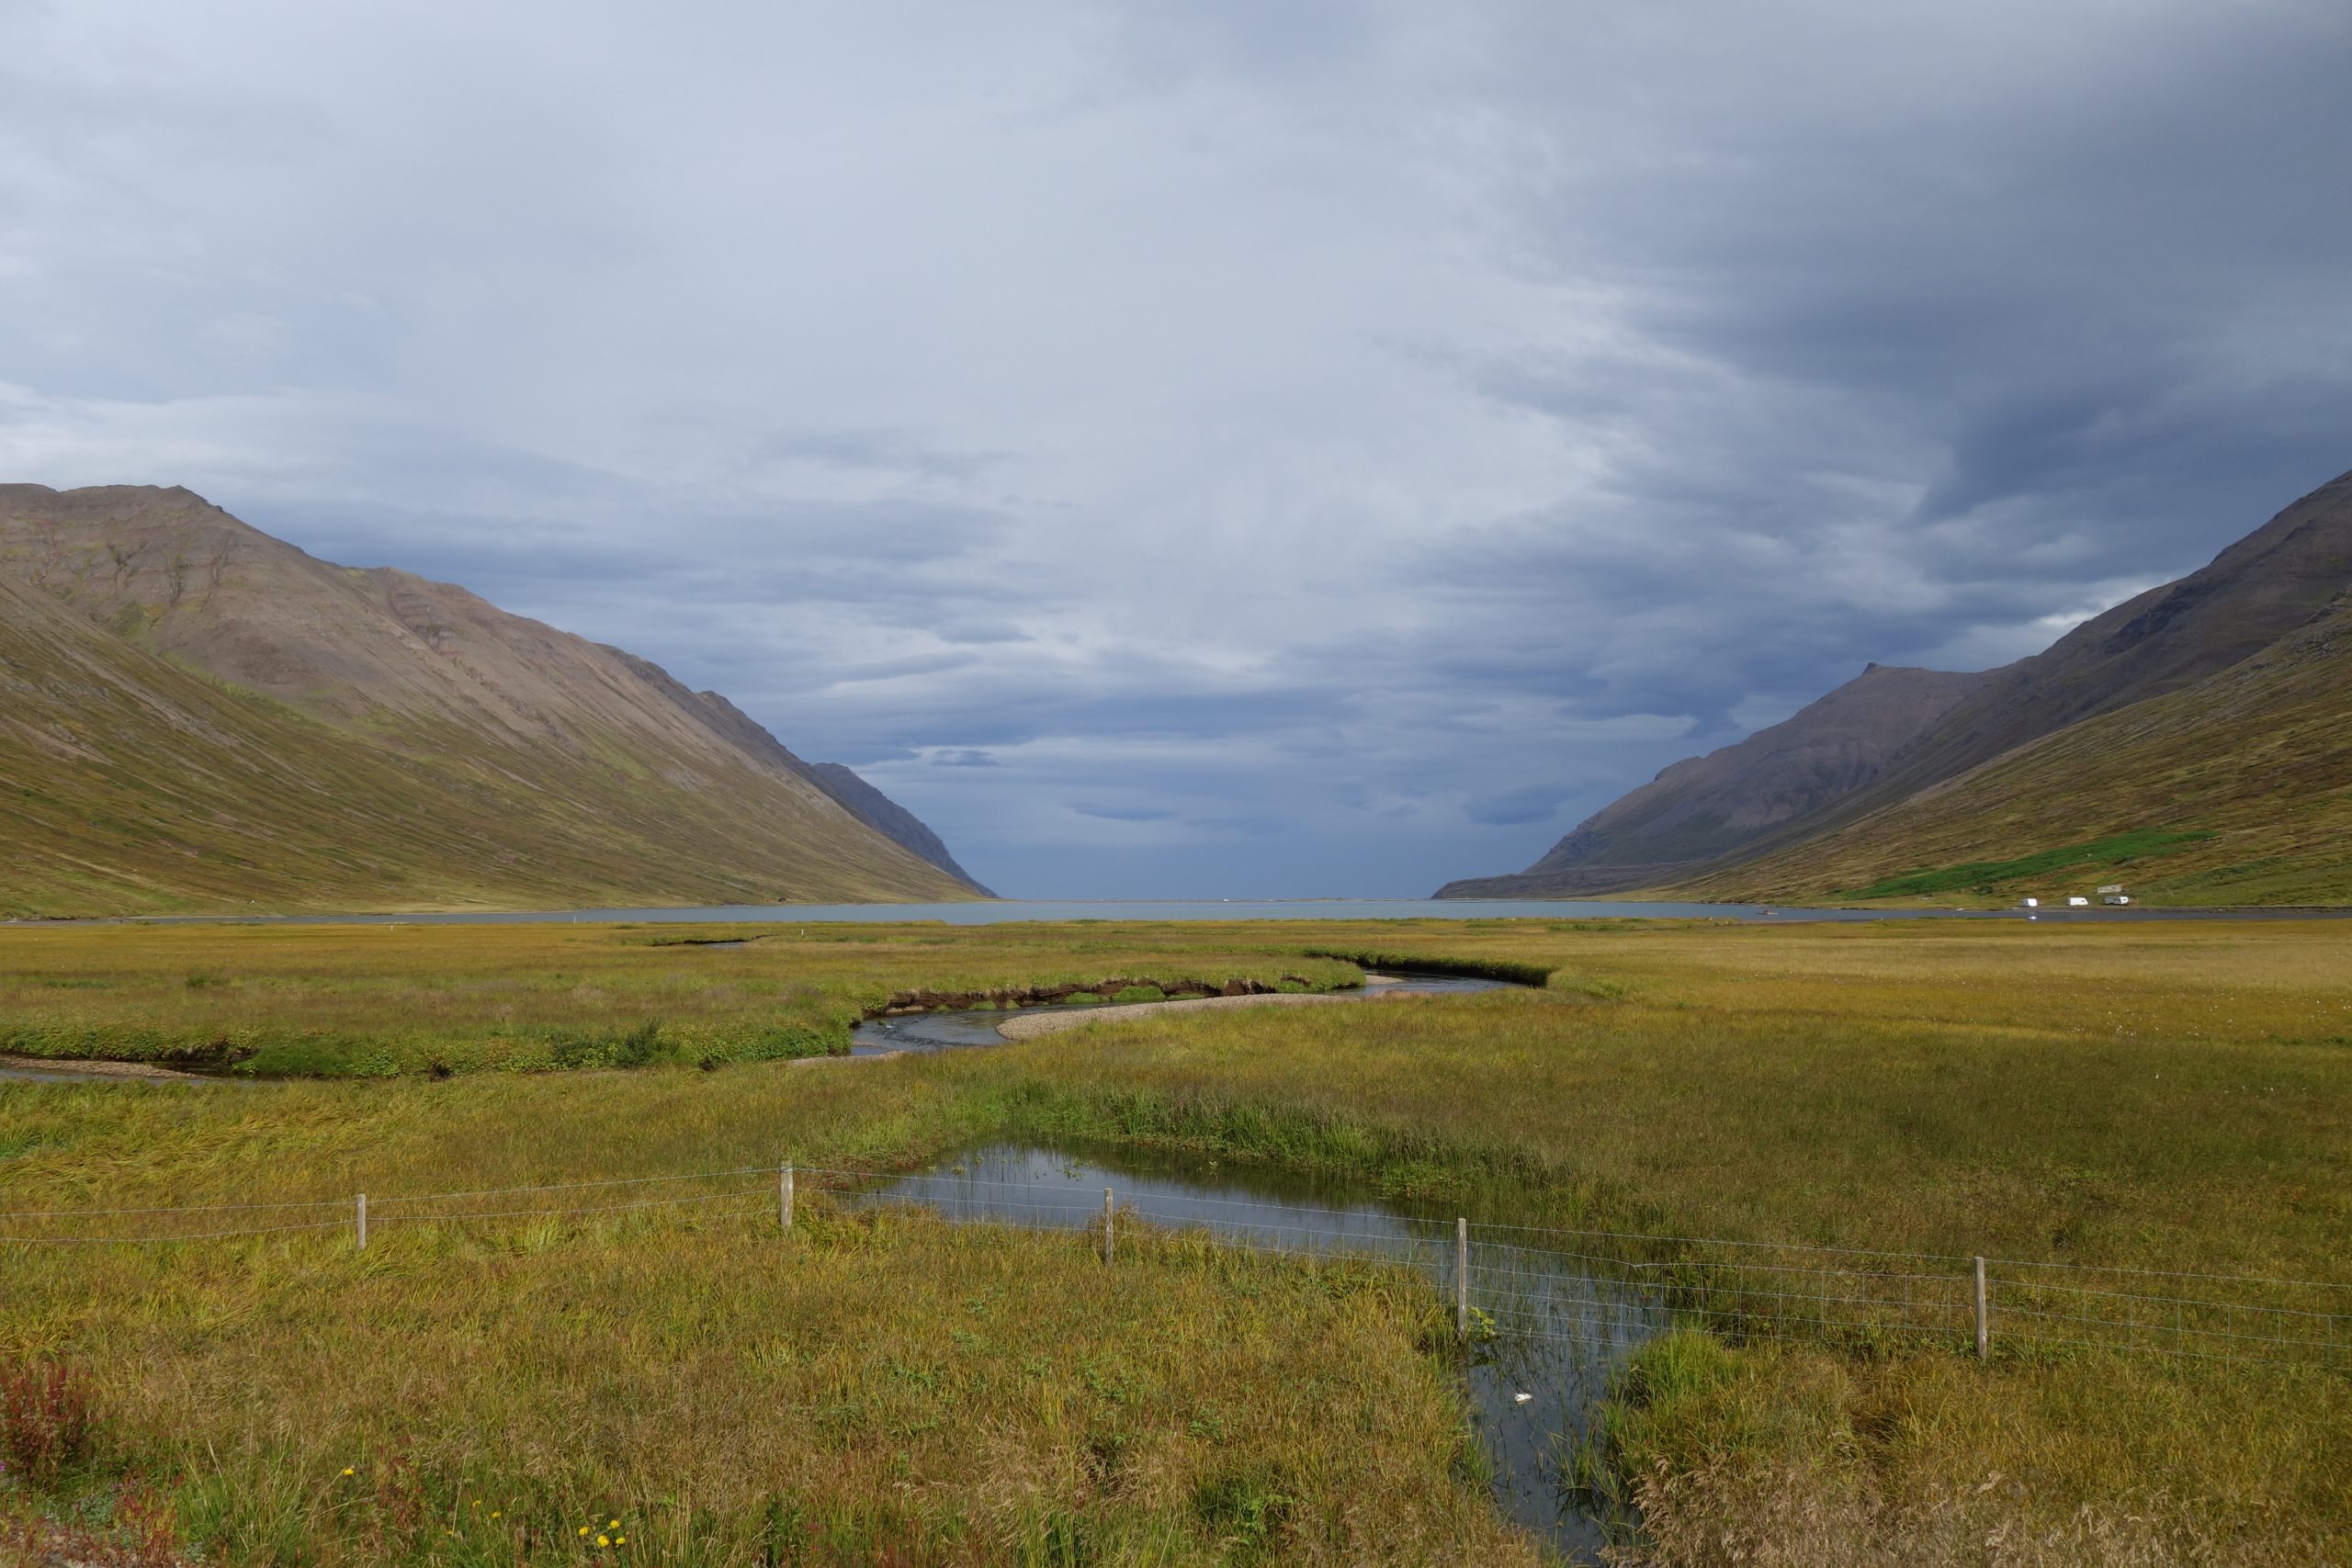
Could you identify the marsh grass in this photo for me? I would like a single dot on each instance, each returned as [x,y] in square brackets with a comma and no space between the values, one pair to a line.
[2165,1097]
[379,1001]
[878,1386]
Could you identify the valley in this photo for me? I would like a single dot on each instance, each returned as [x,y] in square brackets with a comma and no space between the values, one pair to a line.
[2168,1096]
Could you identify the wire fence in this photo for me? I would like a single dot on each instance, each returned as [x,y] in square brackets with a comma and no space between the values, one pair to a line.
[1590,1288]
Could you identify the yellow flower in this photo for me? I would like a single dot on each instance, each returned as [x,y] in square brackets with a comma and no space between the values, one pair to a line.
[349,1471]
[583,1529]
[604,1540]
[620,1540]
[613,1526]
[494,1512]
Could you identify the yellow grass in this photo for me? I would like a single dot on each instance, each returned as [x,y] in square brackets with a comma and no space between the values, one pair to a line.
[2170,1097]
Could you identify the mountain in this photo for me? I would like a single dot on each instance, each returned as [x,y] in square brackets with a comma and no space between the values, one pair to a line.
[2234,789]
[200,716]
[893,821]
[2279,579]
[1707,806]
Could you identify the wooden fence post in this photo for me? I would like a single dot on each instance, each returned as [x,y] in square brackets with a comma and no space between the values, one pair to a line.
[1108,1209]
[1461,1278]
[783,1197]
[360,1216]
[1983,1317]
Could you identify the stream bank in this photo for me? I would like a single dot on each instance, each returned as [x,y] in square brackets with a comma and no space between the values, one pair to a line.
[1548,1329]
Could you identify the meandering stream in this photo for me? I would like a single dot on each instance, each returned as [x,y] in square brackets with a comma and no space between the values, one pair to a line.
[898,1034]
[1547,1330]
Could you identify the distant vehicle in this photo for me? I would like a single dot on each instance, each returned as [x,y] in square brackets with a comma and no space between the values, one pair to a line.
[2033,903]
[2077,902]
[2116,899]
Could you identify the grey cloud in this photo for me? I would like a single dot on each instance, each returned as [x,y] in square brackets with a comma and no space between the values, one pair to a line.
[981,631]
[1125,813]
[1533,803]
[893,451]
[1358,436]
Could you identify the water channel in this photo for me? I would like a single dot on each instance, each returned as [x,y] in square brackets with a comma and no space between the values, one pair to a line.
[1547,1330]
[920,1032]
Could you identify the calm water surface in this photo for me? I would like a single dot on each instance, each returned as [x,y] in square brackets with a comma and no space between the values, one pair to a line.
[1534,1388]
[1008,910]
[951,1031]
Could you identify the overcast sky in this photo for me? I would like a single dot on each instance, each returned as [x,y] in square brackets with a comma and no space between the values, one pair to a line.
[1216,448]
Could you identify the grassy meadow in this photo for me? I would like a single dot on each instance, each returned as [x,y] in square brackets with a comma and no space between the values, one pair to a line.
[381,1000]
[2174,1097]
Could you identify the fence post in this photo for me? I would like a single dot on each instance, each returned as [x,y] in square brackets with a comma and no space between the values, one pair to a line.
[1983,1317]
[783,1197]
[1461,1277]
[360,1217]
[1107,1211]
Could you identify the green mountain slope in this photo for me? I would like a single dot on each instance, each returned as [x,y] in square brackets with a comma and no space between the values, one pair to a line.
[1864,748]
[2234,789]
[197,716]
[1705,808]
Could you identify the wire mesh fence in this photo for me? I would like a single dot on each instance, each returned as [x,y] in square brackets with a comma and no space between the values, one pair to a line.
[1592,1289]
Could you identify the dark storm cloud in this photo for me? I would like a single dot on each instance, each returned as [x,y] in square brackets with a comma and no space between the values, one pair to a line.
[1337,443]
[1536,803]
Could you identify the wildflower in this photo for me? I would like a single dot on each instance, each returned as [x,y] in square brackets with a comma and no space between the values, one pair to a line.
[583,1529]
[349,1471]
[604,1540]
[620,1540]
[613,1526]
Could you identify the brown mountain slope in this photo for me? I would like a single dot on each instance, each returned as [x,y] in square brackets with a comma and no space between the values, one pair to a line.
[2235,790]
[2258,590]
[474,756]
[889,818]
[1706,806]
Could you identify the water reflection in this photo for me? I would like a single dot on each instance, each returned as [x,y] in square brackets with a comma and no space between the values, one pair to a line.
[1548,1331]
[922,1032]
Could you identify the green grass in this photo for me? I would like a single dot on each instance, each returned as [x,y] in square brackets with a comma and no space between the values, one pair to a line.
[1984,876]
[2173,1097]
[379,1001]
[872,1389]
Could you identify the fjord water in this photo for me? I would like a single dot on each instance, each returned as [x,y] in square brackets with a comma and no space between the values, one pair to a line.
[1001,911]
[1004,911]
[1533,1387]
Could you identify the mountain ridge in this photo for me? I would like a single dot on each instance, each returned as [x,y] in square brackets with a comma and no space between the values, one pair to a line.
[624,785]
[1702,807]
[2235,789]
[2255,594]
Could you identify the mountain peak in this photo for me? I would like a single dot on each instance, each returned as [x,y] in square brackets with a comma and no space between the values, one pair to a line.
[1892,732]
[580,772]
